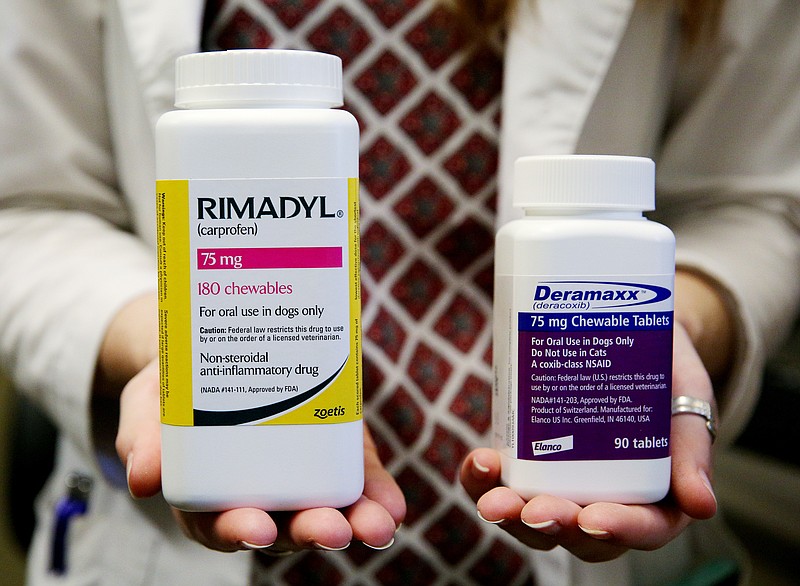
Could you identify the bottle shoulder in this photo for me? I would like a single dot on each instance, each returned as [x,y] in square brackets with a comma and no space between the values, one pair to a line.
[572,227]
[218,118]
[584,247]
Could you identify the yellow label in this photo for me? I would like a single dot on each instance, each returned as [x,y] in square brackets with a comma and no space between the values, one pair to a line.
[259,299]
[341,401]
[174,301]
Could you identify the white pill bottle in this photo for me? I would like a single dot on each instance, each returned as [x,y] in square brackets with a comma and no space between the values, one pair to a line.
[583,321]
[259,294]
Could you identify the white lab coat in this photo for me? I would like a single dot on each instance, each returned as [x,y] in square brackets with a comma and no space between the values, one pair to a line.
[83,82]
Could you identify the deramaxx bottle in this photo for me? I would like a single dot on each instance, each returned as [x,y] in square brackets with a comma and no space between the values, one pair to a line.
[583,322]
[259,295]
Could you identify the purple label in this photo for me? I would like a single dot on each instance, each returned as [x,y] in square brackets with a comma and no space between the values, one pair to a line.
[594,386]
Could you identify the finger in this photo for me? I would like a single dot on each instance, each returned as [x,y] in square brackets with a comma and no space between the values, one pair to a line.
[322,528]
[691,440]
[138,441]
[551,515]
[559,519]
[644,527]
[379,486]
[501,506]
[691,467]
[480,472]
[372,524]
[230,530]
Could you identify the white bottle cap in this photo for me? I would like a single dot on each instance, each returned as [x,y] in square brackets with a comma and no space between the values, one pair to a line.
[605,182]
[256,77]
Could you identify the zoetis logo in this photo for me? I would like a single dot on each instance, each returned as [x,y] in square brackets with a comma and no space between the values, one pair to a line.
[332,412]
[596,294]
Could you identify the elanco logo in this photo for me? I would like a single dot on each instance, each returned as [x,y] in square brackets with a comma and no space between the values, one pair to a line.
[254,208]
[597,294]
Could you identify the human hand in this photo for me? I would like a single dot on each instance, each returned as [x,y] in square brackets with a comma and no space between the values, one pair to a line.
[373,519]
[603,531]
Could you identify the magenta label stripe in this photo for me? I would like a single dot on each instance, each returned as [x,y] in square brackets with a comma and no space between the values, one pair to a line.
[312,257]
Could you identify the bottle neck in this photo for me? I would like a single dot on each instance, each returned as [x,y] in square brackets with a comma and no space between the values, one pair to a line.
[583,213]
[258,105]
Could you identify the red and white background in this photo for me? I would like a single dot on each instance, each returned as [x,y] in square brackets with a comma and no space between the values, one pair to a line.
[428,103]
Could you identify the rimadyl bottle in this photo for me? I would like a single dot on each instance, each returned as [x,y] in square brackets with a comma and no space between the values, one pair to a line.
[259,296]
[583,332]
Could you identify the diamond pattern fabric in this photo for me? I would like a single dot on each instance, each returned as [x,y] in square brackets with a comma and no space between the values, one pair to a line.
[427,101]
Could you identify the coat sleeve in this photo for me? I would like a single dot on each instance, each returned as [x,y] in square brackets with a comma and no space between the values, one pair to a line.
[69,261]
[729,182]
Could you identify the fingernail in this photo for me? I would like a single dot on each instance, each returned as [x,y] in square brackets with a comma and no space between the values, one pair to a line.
[128,467]
[484,519]
[550,527]
[707,482]
[255,546]
[596,533]
[327,548]
[380,547]
[479,467]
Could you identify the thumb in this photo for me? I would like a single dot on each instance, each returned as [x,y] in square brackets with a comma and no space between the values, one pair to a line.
[138,440]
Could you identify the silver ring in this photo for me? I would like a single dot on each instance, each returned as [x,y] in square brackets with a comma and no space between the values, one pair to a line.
[695,406]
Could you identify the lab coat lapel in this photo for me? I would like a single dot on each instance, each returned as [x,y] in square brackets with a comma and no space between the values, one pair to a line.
[629,109]
[143,39]
[157,33]
[557,56]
